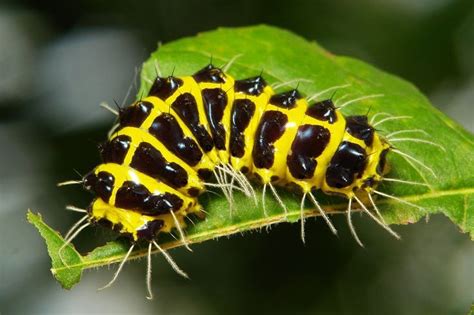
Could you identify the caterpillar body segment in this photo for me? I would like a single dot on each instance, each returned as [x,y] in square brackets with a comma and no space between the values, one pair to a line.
[143,155]
[131,223]
[251,97]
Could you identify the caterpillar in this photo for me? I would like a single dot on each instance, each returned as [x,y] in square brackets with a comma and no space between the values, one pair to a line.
[166,148]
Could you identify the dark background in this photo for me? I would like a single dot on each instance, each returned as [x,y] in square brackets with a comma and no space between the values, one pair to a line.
[59,60]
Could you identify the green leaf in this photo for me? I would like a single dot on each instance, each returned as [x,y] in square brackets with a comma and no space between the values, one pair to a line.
[284,56]
[66,276]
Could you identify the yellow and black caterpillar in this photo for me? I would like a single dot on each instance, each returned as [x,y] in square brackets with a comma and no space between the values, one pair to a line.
[166,146]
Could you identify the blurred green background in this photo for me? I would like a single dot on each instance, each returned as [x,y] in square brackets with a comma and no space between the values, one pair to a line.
[59,60]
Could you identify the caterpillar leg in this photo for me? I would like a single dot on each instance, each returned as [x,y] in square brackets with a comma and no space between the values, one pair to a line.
[224,187]
[349,222]
[381,114]
[398,199]
[74,227]
[133,84]
[412,161]
[70,182]
[69,239]
[376,208]
[118,270]
[148,273]
[242,180]
[76,209]
[244,184]
[382,224]
[250,187]
[323,213]
[408,182]
[109,108]
[380,221]
[418,140]
[359,99]
[390,117]
[157,68]
[343,97]
[264,190]
[302,218]
[229,186]
[116,112]
[170,261]
[180,231]
[278,199]
[398,132]
[333,88]
[229,63]
[392,139]
[290,82]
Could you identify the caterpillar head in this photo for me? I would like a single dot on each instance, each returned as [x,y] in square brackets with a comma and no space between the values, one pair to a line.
[130,220]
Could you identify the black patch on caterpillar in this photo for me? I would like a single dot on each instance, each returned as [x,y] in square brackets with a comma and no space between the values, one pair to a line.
[104,185]
[300,166]
[135,115]
[115,150]
[324,110]
[348,162]
[107,224]
[241,114]
[309,143]
[137,197]
[382,161]
[167,130]
[131,196]
[204,173]
[186,107]
[209,74]
[271,127]
[193,192]
[215,101]
[148,160]
[286,100]
[370,182]
[162,204]
[150,230]
[250,86]
[165,87]
[101,184]
[358,126]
